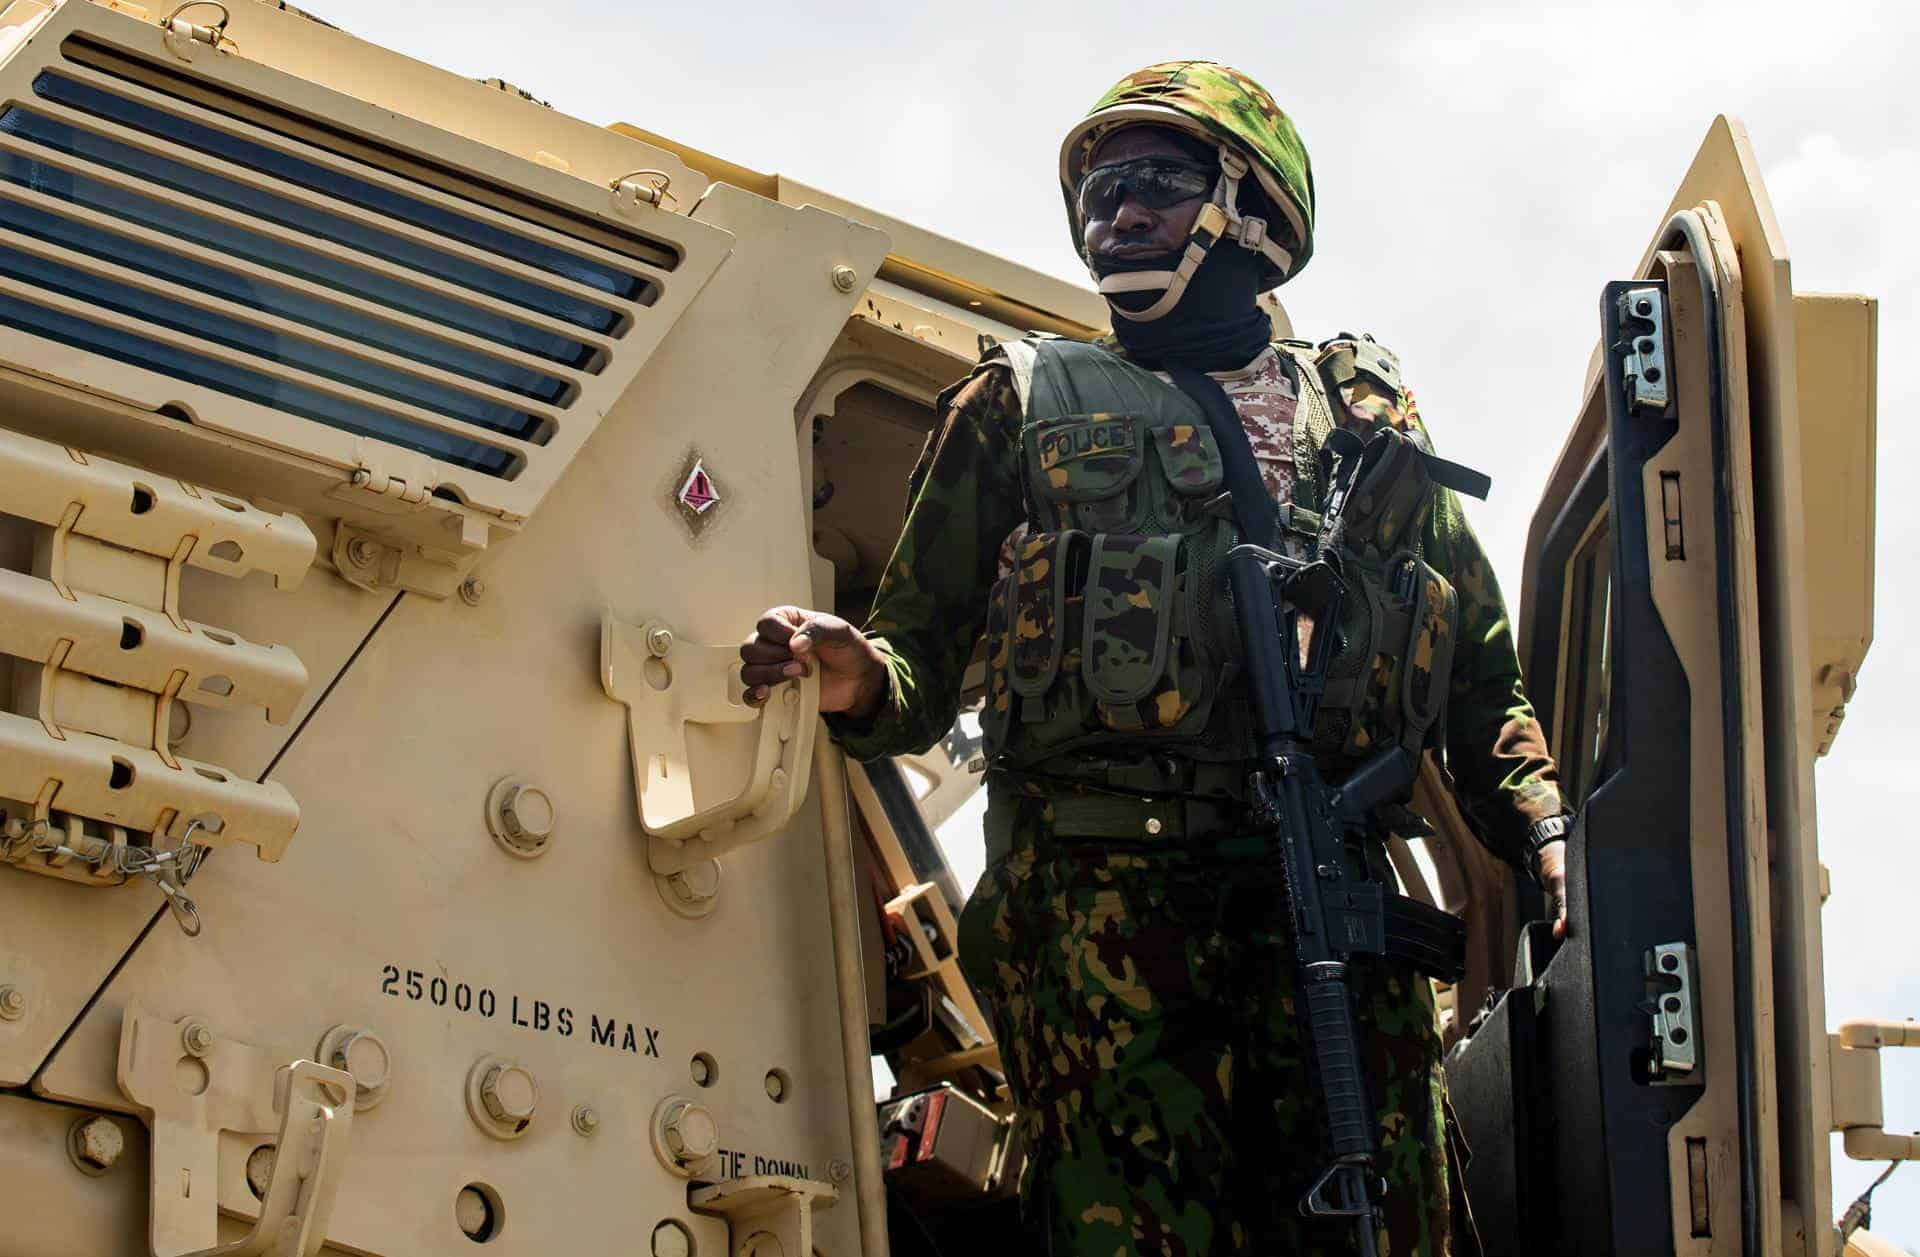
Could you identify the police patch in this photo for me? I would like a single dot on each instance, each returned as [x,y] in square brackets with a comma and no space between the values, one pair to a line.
[1103,434]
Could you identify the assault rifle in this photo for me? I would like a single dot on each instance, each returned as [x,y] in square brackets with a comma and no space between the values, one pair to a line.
[1287,612]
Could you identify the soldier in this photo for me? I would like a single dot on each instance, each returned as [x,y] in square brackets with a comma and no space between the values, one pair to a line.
[1071,507]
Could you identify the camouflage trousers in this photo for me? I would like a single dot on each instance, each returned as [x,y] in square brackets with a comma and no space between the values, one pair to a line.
[1143,998]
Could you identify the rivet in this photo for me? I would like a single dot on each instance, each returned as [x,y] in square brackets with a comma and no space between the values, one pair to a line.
[13,1003]
[585,1120]
[472,591]
[838,1171]
[776,1086]
[1153,824]
[845,278]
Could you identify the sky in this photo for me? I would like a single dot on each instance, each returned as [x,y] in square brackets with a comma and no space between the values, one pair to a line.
[1482,169]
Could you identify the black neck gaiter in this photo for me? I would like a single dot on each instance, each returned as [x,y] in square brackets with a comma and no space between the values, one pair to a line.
[1217,325]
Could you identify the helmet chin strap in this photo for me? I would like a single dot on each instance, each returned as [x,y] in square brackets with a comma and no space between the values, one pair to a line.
[1219,219]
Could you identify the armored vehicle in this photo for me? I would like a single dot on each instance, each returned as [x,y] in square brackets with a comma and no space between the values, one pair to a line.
[389,469]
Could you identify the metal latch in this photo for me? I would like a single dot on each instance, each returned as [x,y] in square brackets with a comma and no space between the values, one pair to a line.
[1853,1057]
[711,772]
[1641,318]
[191,1084]
[1670,993]
[182,35]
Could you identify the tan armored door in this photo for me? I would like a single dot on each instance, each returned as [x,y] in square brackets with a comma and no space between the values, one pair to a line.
[1656,1090]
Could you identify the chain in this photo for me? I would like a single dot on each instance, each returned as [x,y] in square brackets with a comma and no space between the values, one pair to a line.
[169,868]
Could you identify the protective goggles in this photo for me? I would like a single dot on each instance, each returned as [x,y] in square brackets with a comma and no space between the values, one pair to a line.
[1156,182]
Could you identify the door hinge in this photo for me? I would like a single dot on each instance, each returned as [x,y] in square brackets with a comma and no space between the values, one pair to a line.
[1675,1055]
[1640,317]
[1853,1067]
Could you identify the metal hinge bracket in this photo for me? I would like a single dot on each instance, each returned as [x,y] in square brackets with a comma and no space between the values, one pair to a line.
[1853,1057]
[380,566]
[1641,320]
[1675,1056]
[191,1084]
[772,1205]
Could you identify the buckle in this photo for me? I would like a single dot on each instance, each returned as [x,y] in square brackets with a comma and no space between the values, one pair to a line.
[1253,233]
[1232,164]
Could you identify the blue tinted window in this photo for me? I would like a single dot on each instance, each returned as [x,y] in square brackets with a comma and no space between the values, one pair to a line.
[318,223]
[318,268]
[266,343]
[420,213]
[240,382]
[274,299]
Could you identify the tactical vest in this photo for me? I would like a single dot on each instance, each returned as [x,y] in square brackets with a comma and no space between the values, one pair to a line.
[1113,632]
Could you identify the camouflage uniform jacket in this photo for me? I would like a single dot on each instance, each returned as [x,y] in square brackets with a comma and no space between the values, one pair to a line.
[965,498]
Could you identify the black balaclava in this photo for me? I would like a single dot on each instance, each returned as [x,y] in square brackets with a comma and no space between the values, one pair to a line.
[1218,324]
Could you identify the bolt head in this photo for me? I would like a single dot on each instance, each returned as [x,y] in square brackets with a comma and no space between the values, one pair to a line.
[697,883]
[509,1093]
[470,1211]
[701,1074]
[472,591]
[260,1164]
[585,1120]
[362,552]
[527,814]
[659,641]
[98,1142]
[362,1054]
[197,1039]
[13,1003]
[690,1133]
[838,1171]
[669,1240]
[776,1086]
[845,278]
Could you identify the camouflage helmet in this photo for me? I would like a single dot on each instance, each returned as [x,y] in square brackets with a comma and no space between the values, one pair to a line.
[1225,108]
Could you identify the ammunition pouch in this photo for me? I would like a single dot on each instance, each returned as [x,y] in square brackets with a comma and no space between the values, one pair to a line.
[1114,630]
[1393,645]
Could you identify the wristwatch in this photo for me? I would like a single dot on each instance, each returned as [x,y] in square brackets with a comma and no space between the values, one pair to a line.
[1541,833]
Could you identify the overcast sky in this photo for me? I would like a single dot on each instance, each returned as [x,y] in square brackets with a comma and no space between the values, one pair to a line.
[1482,170]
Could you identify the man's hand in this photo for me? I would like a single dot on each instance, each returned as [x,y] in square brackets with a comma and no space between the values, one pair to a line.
[790,641]
[1552,863]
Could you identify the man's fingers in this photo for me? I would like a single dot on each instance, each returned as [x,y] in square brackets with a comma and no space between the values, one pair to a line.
[764,674]
[779,623]
[757,649]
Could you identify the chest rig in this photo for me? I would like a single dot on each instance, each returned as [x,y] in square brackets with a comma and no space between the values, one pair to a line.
[1113,633]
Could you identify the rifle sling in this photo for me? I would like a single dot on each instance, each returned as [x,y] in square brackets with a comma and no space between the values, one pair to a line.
[1254,509]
